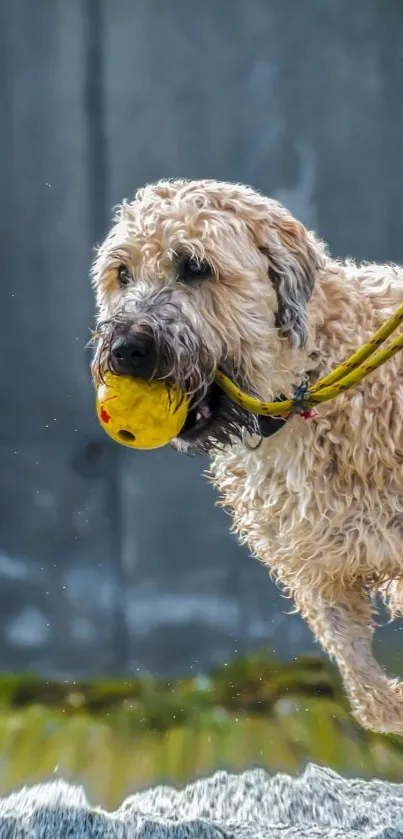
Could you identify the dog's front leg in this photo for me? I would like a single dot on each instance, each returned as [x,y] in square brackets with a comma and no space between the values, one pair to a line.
[344,628]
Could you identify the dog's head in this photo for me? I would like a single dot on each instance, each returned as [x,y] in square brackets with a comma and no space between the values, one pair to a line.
[200,275]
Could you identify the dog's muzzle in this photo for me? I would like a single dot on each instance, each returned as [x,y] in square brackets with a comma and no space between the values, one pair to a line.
[135,355]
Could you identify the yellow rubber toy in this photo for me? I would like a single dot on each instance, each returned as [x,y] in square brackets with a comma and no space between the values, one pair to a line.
[139,414]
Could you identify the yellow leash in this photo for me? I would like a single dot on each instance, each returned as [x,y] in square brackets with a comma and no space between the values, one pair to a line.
[367,359]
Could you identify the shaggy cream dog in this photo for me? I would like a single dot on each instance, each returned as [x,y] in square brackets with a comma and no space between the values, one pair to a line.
[200,275]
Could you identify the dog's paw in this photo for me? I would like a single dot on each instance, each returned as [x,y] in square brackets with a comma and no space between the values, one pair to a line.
[380,711]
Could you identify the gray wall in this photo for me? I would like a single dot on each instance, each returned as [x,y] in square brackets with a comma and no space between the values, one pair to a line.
[113,561]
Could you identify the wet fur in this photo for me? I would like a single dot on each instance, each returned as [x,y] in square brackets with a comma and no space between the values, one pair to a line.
[320,503]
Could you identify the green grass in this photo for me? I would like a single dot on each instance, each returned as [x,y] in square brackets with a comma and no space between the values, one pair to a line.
[117,737]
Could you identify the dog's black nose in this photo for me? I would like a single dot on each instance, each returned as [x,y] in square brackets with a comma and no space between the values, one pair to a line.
[134,355]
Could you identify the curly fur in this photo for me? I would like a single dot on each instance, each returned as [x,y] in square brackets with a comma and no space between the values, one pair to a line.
[320,503]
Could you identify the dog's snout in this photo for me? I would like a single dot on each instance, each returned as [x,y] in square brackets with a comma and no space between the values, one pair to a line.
[134,355]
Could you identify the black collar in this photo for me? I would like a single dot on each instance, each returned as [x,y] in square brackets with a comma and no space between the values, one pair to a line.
[270,425]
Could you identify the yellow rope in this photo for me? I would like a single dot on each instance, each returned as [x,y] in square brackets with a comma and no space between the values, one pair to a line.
[367,359]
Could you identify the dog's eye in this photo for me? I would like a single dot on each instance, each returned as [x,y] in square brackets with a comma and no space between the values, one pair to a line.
[191,268]
[124,275]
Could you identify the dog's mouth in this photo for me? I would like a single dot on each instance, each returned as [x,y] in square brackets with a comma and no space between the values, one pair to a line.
[203,416]
[212,423]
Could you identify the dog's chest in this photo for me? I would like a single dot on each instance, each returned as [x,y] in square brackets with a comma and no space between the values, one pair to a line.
[260,485]
[314,479]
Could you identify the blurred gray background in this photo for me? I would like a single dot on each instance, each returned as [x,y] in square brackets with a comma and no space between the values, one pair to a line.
[113,561]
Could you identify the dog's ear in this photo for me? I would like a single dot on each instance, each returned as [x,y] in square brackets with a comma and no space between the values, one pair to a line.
[294,257]
[294,254]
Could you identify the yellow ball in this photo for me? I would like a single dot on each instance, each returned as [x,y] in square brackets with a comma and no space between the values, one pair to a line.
[139,414]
